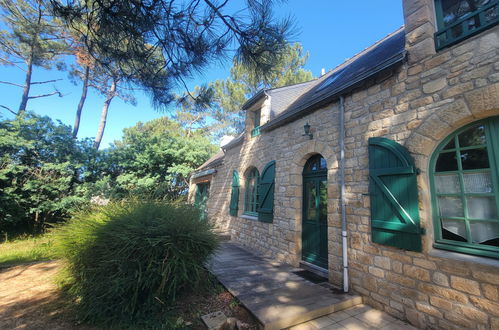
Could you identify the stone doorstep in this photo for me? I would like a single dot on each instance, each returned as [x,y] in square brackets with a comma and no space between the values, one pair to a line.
[313,312]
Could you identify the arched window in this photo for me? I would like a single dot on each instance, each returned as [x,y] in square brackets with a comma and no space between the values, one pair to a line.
[464,173]
[251,192]
[315,165]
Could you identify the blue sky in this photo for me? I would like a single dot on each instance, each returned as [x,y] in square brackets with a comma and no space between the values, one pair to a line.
[330,30]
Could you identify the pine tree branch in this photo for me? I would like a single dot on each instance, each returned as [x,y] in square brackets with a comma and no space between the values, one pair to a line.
[224,18]
[44,82]
[8,62]
[11,50]
[45,95]
[8,109]
[9,83]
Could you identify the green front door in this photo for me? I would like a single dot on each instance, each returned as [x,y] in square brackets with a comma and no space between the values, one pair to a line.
[202,190]
[314,227]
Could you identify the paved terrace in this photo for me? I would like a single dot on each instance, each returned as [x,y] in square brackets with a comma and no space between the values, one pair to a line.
[271,291]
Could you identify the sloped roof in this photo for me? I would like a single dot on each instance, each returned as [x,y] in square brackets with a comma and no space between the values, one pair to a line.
[292,102]
[213,160]
[384,54]
[283,97]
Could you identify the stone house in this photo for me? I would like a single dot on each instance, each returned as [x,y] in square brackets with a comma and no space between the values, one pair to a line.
[383,173]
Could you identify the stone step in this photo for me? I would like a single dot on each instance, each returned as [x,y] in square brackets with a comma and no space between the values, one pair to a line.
[276,317]
[222,235]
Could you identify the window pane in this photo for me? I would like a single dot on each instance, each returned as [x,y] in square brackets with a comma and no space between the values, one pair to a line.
[481,207]
[447,184]
[323,201]
[323,164]
[450,206]
[446,162]
[311,195]
[450,145]
[491,14]
[473,137]
[257,118]
[454,10]
[477,182]
[474,159]
[484,232]
[454,230]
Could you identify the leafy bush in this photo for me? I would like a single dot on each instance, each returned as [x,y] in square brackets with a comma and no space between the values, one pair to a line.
[40,166]
[127,261]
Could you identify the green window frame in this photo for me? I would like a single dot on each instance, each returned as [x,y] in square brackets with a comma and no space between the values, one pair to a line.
[251,192]
[464,180]
[460,19]
[256,123]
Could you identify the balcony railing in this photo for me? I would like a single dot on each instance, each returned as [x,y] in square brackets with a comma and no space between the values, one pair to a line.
[470,24]
[255,131]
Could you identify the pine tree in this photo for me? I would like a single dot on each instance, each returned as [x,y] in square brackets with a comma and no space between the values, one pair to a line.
[182,37]
[32,38]
[218,107]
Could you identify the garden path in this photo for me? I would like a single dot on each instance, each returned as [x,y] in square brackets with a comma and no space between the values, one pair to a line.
[30,300]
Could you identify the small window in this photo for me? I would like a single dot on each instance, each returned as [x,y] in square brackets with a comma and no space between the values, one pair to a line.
[256,122]
[460,19]
[465,190]
[251,192]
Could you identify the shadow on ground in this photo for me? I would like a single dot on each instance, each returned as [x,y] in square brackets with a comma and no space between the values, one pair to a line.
[30,300]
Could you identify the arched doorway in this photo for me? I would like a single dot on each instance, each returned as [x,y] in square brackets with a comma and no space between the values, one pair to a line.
[314,223]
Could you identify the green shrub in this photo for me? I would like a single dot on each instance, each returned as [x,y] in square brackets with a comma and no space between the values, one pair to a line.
[126,262]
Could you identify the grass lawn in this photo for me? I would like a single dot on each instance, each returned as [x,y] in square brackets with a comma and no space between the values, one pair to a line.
[24,250]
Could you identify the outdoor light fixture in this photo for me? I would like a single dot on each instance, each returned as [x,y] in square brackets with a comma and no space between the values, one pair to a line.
[306,128]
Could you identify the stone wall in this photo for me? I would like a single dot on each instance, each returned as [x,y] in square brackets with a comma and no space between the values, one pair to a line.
[418,105]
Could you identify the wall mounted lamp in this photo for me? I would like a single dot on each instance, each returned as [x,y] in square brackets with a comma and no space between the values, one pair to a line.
[306,128]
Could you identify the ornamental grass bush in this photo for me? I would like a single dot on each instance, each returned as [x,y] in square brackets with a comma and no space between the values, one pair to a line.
[128,261]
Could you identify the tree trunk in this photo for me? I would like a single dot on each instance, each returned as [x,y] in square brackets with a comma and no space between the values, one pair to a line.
[27,85]
[82,102]
[103,115]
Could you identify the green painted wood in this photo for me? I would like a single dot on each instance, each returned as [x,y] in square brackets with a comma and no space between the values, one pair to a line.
[201,199]
[483,18]
[394,195]
[234,196]
[266,193]
[255,131]
[314,214]
[491,145]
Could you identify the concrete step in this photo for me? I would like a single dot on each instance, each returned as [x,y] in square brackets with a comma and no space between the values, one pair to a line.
[222,235]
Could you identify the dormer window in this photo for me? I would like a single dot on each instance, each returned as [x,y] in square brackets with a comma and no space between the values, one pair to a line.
[460,19]
[256,123]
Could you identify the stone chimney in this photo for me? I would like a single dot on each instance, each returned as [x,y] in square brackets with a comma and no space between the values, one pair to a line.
[419,19]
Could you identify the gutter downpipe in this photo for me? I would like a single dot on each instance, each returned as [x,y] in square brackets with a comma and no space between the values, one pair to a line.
[344,241]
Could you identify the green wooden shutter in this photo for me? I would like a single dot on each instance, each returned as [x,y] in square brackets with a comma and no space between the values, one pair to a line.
[394,195]
[234,196]
[266,193]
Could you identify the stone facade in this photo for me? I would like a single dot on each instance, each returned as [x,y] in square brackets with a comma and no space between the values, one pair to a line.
[417,105]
